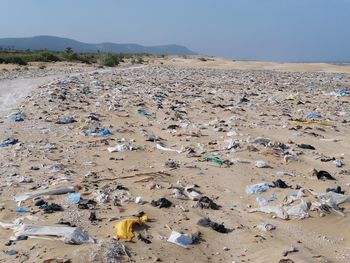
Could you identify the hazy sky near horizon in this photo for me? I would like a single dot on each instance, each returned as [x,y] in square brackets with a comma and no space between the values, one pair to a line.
[280,30]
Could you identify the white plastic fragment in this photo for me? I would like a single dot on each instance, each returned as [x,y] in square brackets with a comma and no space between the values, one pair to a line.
[266,227]
[299,211]
[182,240]
[159,147]
[57,191]
[119,148]
[261,164]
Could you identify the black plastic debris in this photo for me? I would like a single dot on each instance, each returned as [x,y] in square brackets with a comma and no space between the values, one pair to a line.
[93,217]
[143,239]
[40,202]
[161,202]
[306,146]
[335,190]
[206,222]
[206,203]
[65,222]
[119,186]
[173,127]
[65,120]
[10,243]
[50,208]
[21,237]
[324,175]
[327,159]
[279,184]
[243,100]
[86,203]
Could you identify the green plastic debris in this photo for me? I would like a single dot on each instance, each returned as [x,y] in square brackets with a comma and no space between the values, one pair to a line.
[214,159]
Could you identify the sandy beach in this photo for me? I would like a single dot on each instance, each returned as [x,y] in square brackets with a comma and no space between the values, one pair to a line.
[180,129]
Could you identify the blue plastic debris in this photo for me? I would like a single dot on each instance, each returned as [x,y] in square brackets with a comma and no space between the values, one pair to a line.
[143,113]
[22,210]
[343,92]
[338,163]
[104,132]
[74,198]
[313,115]
[10,252]
[97,132]
[8,142]
[16,117]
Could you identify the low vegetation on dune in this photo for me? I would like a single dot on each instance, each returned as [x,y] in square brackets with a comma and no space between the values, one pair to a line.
[103,59]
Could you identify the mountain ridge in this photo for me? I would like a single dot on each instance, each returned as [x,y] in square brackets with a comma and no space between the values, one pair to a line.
[54,43]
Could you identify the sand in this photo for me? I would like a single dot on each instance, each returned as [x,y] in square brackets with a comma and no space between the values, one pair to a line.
[204,100]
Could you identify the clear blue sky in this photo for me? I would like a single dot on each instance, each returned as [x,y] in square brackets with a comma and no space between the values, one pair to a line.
[283,30]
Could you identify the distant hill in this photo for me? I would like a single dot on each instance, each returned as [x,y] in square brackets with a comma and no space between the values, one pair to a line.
[59,44]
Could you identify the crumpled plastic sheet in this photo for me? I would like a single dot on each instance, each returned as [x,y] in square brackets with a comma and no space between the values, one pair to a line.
[276,210]
[69,235]
[257,188]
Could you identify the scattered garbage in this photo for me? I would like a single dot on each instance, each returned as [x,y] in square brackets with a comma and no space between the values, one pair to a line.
[185,143]
[108,251]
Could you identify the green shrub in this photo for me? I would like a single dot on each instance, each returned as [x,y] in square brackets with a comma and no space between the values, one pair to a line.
[12,59]
[109,60]
[140,60]
[48,57]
